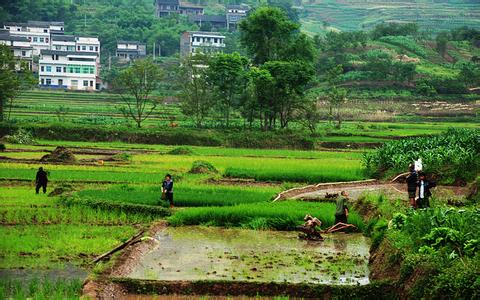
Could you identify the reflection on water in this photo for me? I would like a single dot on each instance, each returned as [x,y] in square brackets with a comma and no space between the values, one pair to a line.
[200,253]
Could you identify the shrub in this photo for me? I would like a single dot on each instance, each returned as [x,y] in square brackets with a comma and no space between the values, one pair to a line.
[2,147]
[122,157]
[181,151]
[202,167]
[21,136]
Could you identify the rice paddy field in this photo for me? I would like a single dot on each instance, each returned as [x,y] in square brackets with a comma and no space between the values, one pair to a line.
[101,204]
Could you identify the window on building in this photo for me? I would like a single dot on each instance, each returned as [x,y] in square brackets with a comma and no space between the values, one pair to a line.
[42,68]
[46,40]
[35,39]
[74,83]
[58,47]
[24,53]
[18,29]
[45,30]
[42,40]
[85,83]
[49,68]
[64,69]
[96,48]
[48,81]
[78,48]
[29,38]
[70,48]
[215,40]
[60,82]
[59,69]
[91,48]
[84,48]
[42,81]
[91,83]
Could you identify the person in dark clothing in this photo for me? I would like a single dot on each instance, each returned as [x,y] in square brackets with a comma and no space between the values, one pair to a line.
[412,181]
[424,192]
[41,180]
[167,188]
[341,212]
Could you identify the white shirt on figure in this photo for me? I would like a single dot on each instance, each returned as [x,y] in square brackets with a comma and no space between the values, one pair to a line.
[422,189]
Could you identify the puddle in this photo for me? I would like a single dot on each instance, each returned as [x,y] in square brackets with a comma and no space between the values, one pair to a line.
[209,253]
[26,275]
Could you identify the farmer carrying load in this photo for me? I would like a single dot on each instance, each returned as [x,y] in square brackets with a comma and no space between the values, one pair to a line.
[167,189]
[412,181]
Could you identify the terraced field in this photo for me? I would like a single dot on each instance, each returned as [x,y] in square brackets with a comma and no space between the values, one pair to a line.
[361,14]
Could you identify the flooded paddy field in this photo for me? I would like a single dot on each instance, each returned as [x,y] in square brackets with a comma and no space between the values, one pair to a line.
[207,253]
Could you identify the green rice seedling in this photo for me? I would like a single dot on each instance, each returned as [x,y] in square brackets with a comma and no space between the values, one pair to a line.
[40,288]
[285,215]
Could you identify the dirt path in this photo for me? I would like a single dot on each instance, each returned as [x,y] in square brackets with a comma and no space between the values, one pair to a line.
[356,188]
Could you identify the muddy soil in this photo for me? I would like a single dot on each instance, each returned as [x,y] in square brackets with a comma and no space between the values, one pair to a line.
[206,253]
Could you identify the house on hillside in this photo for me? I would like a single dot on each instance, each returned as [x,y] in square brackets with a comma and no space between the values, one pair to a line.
[234,14]
[37,32]
[166,7]
[76,70]
[129,50]
[217,21]
[192,42]
[21,48]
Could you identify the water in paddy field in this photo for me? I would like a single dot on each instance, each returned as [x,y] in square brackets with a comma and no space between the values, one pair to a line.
[208,253]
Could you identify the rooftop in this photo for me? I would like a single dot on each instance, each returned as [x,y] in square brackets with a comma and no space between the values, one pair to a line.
[5,36]
[63,38]
[206,33]
[35,24]
[130,42]
[208,18]
[66,53]
[241,7]
[168,2]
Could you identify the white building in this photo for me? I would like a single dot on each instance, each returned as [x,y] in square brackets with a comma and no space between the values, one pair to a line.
[201,42]
[20,47]
[234,14]
[129,50]
[87,44]
[37,32]
[74,70]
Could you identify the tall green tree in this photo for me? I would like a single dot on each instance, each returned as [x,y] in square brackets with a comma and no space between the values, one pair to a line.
[258,101]
[196,99]
[135,84]
[336,95]
[266,32]
[442,41]
[15,77]
[226,73]
[290,80]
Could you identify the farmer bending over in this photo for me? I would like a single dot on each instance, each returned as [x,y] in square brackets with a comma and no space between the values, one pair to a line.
[41,181]
[341,212]
[167,187]
[309,228]
[412,182]
[424,193]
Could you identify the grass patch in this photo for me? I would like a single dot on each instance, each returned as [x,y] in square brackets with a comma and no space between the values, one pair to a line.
[40,288]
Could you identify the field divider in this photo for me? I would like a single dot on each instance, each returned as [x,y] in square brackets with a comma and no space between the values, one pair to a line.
[313,187]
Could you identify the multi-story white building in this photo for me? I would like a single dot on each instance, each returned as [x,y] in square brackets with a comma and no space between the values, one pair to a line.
[21,48]
[74,70]
[87,44]
[129,50]
[37,32]
[61,42]
[201,42]
[234,14]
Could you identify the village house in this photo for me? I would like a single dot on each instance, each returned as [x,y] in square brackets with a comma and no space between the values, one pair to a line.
[166,7]
[234,14]
[216,21]
[76,70]
[37,33]
[129,50]
[192,42]
[20,46]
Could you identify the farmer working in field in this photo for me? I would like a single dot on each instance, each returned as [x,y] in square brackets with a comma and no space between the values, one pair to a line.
[309,228]
[412,181]
[424,193]
[341,212]
[167,189]
[41,180]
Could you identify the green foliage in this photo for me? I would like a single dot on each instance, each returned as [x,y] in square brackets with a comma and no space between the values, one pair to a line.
[202,167]
[406,43]
[399,220]
[449,156]
[2,147]
[181,151]
[394,29]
